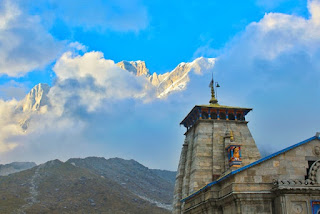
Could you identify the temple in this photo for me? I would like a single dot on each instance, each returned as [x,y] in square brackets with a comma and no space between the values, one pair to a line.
[221,170]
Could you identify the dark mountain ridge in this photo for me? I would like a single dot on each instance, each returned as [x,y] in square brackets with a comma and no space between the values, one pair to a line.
[89,185]
[133,176]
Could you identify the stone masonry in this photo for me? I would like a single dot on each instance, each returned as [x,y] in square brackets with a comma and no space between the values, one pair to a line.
[203,157]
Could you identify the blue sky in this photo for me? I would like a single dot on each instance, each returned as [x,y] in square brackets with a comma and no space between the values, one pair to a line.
[161,33]
[267,51]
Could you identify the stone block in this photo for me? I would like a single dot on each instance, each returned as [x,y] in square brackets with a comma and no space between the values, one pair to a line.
[248,179]
[257,179]
[251,172]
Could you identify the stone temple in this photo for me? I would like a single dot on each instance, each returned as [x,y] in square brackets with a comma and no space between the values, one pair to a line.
[221,170]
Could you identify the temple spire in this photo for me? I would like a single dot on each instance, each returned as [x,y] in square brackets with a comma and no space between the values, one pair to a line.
[213,96]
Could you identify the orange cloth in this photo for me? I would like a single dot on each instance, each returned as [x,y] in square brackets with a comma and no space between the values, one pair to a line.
[236,153]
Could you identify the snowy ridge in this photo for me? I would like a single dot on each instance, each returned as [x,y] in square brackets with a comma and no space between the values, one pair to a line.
[35,99]
[178,78]
[175,80]
[178,85]
[38,102]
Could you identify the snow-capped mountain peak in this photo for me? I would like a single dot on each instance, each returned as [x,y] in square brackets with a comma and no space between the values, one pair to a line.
[178,78]
[35,99]
[174,80]
[136,67]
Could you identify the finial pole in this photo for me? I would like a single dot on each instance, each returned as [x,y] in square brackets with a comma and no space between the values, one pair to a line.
[213,97]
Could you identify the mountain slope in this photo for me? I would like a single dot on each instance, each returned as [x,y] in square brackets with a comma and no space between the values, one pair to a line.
[165,174]
[57,187]
[132,176]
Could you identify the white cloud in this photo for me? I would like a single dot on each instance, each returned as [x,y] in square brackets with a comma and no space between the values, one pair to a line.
[78,46]
[9,125]
[314,8]
[278,34]
[90,79]
[274,67]
[8,14]
[24,44]
[12,89]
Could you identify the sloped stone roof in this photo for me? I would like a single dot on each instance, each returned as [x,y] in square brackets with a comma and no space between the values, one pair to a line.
[317,136]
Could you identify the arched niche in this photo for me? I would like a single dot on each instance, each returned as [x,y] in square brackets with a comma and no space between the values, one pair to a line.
[314,173]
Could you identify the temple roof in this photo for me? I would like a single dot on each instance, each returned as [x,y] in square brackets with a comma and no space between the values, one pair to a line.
[214,106]
[317,136]
[218,106]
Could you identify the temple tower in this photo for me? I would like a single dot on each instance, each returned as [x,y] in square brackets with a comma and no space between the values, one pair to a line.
[217,141]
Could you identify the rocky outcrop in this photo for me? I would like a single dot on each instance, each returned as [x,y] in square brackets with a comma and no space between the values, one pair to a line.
[175,80]
[35,99]
[136,67]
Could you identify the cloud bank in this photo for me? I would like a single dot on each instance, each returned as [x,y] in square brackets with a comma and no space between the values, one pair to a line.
[28,40]
[25,44]
[90,79]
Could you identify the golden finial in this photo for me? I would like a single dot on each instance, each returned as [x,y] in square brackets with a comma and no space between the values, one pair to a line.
[213,96]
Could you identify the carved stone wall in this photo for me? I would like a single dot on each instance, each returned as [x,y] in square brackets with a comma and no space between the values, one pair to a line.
[203,156]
